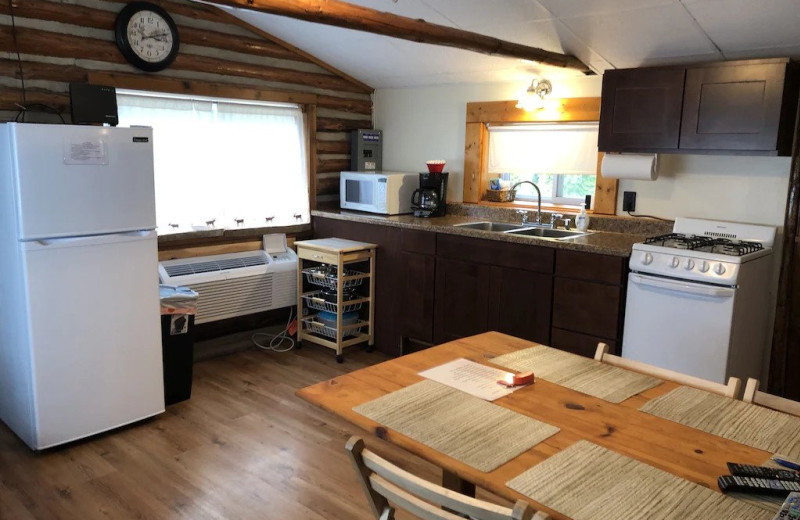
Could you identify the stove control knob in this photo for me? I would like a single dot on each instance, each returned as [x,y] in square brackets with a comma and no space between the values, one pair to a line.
[675,262]
[689,265]
[647,259]
[704,266]
[719,269]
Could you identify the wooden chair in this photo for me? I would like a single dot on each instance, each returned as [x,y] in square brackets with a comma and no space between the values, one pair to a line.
[383,482]
[730,390]
[753,395]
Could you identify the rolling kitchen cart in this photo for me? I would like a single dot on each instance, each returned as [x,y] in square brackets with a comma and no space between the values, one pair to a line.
[335,293]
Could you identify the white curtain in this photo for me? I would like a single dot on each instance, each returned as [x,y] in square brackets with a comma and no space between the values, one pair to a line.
[543,148]
[223,164]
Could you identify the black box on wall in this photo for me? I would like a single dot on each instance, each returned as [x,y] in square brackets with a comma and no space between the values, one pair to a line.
[366,150]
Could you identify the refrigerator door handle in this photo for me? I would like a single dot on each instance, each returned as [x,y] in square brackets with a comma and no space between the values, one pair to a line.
[139,233]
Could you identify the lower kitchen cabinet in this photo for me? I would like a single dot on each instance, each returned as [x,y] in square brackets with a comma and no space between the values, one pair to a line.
[588,301]
[484,285]
[416,301]
[462,299]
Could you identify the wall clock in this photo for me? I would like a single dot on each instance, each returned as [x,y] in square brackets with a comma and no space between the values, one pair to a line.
[146,36]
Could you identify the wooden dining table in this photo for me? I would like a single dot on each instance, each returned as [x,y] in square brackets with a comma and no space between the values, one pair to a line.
[680,450]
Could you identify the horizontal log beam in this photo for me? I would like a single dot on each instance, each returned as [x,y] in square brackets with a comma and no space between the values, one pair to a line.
[328,186]
[197,88]
[11,98]
[349,16]
[333,147]
[332,165]
[332,124]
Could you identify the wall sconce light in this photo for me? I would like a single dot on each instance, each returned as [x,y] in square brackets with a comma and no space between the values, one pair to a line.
[533,98]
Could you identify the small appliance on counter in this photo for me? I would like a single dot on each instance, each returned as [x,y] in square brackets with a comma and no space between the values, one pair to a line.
[430,200]
[386,193]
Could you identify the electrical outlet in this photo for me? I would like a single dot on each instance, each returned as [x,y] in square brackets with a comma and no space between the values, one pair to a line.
[628,201]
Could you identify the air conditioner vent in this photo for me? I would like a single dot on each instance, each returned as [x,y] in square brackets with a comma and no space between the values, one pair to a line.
[234,284]
[228,264]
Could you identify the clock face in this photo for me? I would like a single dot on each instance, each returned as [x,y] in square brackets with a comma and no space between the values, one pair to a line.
[150,36]
[146,36]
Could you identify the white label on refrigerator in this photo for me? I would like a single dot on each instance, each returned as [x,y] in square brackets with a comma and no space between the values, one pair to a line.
[85,151]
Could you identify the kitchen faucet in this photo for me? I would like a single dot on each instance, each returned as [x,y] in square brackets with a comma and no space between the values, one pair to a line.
[538,221]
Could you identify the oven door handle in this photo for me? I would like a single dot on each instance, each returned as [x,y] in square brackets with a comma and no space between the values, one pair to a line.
[683,287]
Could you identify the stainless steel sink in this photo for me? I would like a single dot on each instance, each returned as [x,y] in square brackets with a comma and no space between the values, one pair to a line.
[519,229]
[499,227]
[547,232]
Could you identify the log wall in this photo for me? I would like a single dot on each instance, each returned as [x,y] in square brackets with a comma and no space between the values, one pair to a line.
[49,44]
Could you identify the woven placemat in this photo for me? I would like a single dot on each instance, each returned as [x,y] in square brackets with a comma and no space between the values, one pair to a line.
[589,482]
[738,421]
[578,373]
[466,428]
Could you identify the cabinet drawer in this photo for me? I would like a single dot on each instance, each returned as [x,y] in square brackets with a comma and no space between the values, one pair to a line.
[414,241]
[586,307]
[581,344]
[591,266]
[502,254]
[305,253]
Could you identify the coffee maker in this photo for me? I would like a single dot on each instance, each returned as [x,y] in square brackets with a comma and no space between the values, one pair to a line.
[430,200]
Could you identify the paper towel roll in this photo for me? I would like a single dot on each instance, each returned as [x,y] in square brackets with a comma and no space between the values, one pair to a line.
[630,166]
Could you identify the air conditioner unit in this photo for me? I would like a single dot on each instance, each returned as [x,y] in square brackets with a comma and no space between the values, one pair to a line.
[236,284]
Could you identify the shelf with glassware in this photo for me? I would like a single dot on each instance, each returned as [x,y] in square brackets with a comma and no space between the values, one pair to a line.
[335,293]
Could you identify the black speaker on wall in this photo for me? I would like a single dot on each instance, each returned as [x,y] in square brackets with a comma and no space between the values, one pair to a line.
[93,104]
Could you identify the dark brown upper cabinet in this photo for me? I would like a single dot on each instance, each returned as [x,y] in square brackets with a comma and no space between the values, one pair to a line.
[641,109]
[742,107]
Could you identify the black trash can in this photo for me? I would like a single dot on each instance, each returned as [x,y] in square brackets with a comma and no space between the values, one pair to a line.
[178,307]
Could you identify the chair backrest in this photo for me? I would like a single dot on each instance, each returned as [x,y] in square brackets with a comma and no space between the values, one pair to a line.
[753,395]
[384,482]
[728,390]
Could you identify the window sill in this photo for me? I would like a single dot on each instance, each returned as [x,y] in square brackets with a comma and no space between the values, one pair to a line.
[529,205]
[221,235]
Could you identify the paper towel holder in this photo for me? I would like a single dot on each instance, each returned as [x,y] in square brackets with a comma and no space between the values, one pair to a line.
[636,157]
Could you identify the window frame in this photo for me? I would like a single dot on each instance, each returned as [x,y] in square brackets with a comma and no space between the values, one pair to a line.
[227,240]
[476,149]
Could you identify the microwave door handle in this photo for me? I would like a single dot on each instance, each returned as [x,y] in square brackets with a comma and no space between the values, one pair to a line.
[682,287]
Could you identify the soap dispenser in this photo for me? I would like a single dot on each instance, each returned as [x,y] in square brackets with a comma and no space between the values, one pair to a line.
[582,219]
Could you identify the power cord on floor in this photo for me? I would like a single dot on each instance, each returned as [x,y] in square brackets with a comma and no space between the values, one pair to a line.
[277,340]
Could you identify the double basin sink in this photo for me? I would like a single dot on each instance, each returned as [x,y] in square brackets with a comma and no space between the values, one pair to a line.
[527,230]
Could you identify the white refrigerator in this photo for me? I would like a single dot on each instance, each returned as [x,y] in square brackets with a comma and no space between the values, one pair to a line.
[80,340]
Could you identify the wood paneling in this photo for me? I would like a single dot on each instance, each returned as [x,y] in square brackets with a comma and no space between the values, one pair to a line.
[221,56]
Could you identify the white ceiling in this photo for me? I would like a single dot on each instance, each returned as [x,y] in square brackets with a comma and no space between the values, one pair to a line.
[602,33]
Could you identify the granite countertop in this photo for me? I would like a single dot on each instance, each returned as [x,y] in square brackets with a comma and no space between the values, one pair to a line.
[616,243]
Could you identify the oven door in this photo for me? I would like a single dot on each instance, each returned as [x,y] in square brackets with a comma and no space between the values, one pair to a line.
[679,325]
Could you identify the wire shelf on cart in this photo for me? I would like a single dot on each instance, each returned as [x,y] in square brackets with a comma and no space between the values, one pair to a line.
[351,278]
[314,301]
[317,327]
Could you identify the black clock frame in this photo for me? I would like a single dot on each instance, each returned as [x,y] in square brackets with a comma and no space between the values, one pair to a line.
[121,36]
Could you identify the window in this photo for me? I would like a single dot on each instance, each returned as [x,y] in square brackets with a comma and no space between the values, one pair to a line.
[223,163]
[560,158]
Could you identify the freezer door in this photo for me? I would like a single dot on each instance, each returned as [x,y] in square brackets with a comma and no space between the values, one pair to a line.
[95,330]
[82,180]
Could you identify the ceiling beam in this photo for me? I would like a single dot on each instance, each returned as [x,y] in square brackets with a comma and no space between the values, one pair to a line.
[349,16]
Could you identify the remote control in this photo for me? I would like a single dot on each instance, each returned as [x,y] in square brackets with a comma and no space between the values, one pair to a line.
[758,486]
[790,510]
[747,470]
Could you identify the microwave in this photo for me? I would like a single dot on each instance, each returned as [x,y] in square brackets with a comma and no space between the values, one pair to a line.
[387,193]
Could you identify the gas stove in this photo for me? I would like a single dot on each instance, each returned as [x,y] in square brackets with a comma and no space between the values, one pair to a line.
[698,299]
[703,250]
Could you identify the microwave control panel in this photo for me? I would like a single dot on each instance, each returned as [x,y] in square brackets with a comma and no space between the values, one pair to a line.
[380,198]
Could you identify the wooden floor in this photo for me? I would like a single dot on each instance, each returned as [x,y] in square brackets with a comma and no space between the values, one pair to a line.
[242,447]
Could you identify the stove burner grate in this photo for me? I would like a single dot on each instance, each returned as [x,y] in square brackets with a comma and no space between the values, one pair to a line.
[727,247]
[680,241]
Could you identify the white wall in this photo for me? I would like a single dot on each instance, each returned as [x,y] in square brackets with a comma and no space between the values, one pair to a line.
[428,123]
